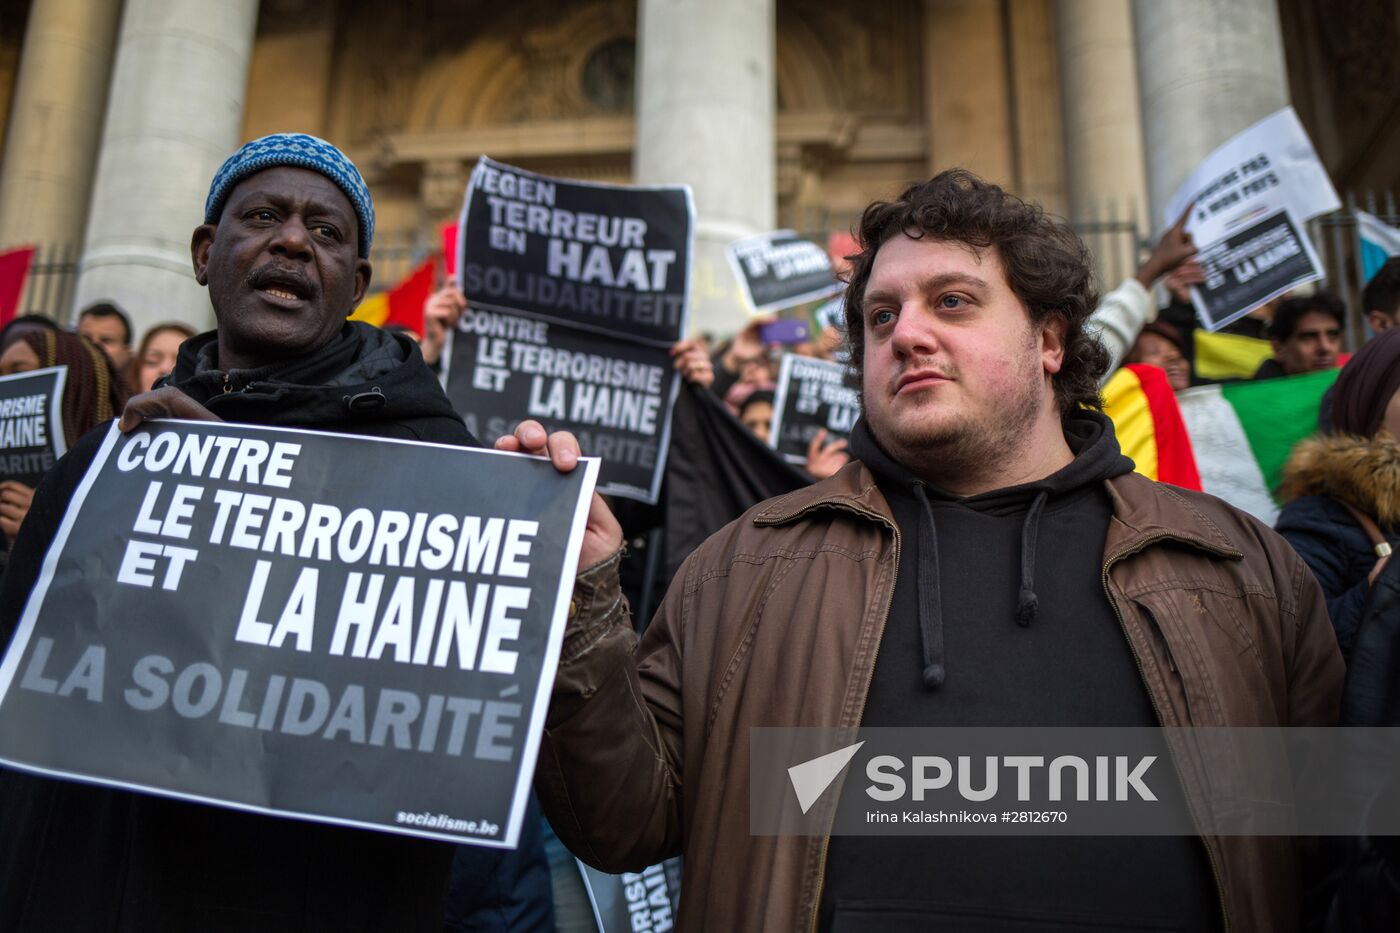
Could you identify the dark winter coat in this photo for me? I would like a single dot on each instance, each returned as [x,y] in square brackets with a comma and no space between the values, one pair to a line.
[74,857]
[1323,472]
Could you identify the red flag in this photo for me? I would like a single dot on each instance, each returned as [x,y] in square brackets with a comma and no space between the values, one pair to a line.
[407,298]
[14,268]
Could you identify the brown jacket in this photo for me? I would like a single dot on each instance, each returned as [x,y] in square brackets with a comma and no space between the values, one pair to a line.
[776,621]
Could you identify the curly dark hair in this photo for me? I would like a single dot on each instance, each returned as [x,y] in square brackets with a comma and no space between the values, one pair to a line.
[1291,311]
[1047,266]
[93,392]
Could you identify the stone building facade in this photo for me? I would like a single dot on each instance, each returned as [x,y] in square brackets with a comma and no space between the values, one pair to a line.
[793,113]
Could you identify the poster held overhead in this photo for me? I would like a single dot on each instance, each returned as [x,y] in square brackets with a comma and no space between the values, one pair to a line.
[31,424]
[610,258]
[273,620]
[1251,266]
[1244,185]
[780,270]
[575,293]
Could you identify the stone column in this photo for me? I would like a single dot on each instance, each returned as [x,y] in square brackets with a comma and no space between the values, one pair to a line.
[966,88]
[56,118]
[1102,119]
[706,96]
[1206,70]
[173,116]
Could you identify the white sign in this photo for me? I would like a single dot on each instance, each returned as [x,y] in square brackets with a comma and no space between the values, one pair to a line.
[1269,167]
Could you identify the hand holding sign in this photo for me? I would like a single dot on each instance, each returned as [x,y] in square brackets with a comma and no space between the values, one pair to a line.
[440,316]
[692,361]
[1175,248]
[165,402]
[826,459]
[602,535]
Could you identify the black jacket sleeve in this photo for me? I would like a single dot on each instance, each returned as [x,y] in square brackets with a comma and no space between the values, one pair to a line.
[41,526]
[1364,881]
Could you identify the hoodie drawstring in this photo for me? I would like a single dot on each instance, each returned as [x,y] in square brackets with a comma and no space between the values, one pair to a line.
[928,584]
[930,600]
[1026,602]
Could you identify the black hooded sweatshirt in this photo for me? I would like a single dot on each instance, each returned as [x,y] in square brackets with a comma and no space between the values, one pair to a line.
[1000,618]
[84,858]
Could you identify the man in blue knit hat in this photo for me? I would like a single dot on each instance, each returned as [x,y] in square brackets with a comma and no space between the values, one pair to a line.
[284,251]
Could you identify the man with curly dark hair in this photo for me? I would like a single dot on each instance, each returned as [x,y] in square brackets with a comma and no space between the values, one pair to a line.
[989,558]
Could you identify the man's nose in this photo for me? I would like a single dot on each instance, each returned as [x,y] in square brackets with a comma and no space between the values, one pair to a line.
[914,331]
[292,239]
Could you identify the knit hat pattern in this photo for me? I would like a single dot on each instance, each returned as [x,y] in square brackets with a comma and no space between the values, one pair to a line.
[299,150]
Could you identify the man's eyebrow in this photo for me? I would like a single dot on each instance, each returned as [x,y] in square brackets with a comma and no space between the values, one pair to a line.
[929,284]
[314,204]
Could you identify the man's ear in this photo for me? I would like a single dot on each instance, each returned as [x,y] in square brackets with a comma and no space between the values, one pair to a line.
[1052,343]
[200,244]
[362,277]
[1380,321]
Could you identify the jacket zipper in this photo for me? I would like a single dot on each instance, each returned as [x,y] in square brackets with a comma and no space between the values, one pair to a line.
[1157,711]
[880,636]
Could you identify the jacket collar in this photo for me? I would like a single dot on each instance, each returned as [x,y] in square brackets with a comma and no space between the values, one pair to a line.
[1143,511]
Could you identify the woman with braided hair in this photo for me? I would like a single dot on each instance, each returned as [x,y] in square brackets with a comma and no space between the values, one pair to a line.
[93,393]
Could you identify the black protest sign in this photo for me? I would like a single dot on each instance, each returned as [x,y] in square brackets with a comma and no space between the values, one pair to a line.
[1251,266]
[780,269]
[636,902]
[610,258]
[280,621]
[31,424]
[812,395]
[616,397]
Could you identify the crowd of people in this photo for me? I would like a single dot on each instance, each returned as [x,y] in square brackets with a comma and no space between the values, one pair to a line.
[979,552]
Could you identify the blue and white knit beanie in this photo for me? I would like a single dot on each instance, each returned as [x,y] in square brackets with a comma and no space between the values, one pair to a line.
[300,151]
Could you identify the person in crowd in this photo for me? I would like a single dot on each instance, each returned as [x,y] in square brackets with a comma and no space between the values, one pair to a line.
[744,361]
[284,251]
[1342,490]
[756,413]
[824,457]
[156,356]
[1344,523]
[109,327]
[24,323]
[1306,333]
[913,588]
[92,393]
[1122,313]
[1381,297]
[1160,344]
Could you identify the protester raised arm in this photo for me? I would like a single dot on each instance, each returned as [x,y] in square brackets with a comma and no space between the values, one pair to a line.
[691,359]
[1121,313]
[441,312]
